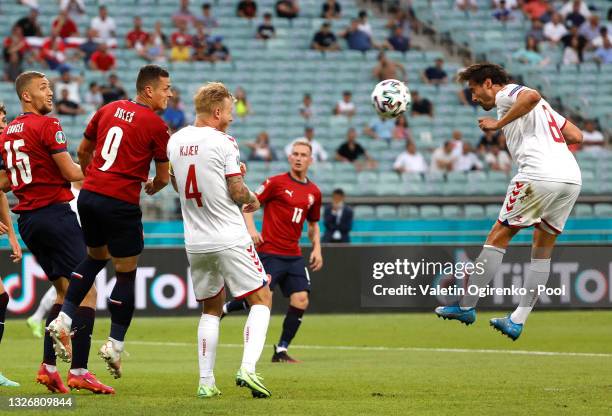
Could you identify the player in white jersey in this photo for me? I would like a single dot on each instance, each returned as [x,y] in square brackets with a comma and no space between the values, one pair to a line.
[542,194]
[208,175]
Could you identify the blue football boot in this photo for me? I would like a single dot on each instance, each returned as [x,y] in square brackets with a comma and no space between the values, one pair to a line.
[465,316]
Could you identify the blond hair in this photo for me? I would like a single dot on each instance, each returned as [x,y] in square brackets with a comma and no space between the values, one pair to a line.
[302,142]
[211,96]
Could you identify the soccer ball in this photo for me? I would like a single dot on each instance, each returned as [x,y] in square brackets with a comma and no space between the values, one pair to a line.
[390,98]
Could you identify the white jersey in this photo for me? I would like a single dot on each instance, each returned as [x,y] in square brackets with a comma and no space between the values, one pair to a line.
[535,141]
[202,158]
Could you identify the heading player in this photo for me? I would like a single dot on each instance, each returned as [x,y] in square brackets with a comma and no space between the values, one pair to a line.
[542,194]
[6,227]
[118,146]
[289,200]
[40,169]
[208,176]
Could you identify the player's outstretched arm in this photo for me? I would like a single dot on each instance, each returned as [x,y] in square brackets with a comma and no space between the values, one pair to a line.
[249,220]
[69,170]
[241,194]
[6,226]
[316,258]
[525,102]
[161,179]
[571,133]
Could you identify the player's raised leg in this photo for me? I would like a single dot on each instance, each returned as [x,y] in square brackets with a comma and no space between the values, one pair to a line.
[490,258]
[4,300]
[35,321]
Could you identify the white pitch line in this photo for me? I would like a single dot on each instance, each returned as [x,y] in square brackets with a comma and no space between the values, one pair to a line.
[395,349]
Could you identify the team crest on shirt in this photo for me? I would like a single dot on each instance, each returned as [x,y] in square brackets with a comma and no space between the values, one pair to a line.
[311,200]
[60,137]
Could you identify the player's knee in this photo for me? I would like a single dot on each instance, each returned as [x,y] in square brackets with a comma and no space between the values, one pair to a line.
[91,298]
[299,301]
[261,297]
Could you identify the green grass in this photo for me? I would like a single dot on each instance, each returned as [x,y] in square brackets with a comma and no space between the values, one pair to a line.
[162,379]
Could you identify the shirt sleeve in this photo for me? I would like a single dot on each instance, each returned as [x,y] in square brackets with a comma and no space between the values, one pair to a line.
[53,137]
[232,159]
[160,143]
[91,131]
[508,96]
[265,192]
[314,214]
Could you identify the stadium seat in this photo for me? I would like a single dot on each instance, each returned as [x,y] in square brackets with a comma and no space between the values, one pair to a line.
[386,212]
[602,210]
[474,211]
[430,211]
[408,211]
[364,211]
[583,210]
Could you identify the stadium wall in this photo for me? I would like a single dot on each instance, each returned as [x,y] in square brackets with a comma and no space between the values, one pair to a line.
[347,282]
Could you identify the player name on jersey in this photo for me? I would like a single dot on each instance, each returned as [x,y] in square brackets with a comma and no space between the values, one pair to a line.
[124,114]
[15,128]
[188,150]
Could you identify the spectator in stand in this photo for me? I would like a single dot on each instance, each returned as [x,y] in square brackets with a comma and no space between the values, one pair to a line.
[535,9]
[388,69]
[183,14]
[443,159]
[466,5]
[457,142]
[603,54]
[180,53]
[345,107]
[266,29]
[573,6]
[64,26]
[575,18]
[397,41]
[53,52]
[261,149]
[404,19]
[288,9]
[158,36]
[537,31]
[590,29]
[331,9]
[530,54]
[465,97]
[592,139]
[488,139]
[246,9]
[207,19]
[555,29]
[402,131]
[13,52]
[153,51]
[70,83]
[217,51]
[380,128]
[75,8]
[200,44]
[338,219]
[137,38]
[102,60]
[498,160]
[435,75]
[356,38]
[88,47]
[421,106]
[352,152]
[325,40]
[104,25]
[574,37]
[364,24]
[410,161]
[467,160]
[29,24]
[181,37]
[318,152]
[173,115]
[571,53]
[502,12]
[241,106]
[599,40]
[113,91]
[306,110]
[93,97]
[65,106]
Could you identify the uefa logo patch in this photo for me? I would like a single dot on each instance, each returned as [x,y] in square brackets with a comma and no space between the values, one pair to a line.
[60,137]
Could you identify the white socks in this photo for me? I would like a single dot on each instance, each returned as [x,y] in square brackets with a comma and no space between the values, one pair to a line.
[491,258]
[208,338]
[65,319]
[51,368]
[117,345]
[45,304]
[78,371]
[538,273]
[255,331]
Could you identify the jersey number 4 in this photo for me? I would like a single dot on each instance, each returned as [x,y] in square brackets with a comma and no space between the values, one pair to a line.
[191,187]
[555,132]
[18,161]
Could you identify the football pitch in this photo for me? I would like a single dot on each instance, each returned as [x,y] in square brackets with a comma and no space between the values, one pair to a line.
[370,364]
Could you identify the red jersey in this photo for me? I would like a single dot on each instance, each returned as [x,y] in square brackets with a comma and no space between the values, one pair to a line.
[104,61]
[137,36]
[28,144]
[287,204]
[128,136]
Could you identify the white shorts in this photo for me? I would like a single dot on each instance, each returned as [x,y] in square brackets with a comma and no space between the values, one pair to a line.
[238,267]
[543,204]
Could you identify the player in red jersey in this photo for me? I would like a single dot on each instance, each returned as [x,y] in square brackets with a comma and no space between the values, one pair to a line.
[6,227]
[289,200]
[39,169]
[118,146]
